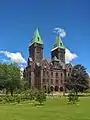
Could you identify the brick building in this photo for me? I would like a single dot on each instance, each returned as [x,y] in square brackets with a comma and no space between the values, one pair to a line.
[43,73]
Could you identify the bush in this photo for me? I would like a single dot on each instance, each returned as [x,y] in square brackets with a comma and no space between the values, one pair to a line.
[18,99]
[27,95]
[11,99]
[32,95]
[72,97]
[40,96]
[87,91]
[1,99]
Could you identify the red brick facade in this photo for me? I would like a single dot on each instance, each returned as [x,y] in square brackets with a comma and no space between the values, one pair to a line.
[43,73]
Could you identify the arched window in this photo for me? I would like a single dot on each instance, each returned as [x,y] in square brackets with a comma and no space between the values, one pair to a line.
[56,88]
[61,89]
[51,88]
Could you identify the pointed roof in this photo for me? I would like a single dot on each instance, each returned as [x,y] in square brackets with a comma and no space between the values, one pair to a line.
[58,43]
[36,37]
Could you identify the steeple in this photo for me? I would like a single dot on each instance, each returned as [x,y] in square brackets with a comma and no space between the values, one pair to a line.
[58,43]
[36,37]
[36,47]
[58,50]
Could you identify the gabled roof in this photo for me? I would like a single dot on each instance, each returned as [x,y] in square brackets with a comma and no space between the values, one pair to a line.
[36,37]
[58,43]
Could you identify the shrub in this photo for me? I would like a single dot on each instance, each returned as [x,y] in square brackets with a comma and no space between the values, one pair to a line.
[72,97]
[40,96]
[32,95]
[6,98]
[28,95]
[87,91]
[18,99]
[1,99]
[11,99]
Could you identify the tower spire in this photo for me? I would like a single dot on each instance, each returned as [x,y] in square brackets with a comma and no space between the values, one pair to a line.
[36,47]
[58,43]
[36,37]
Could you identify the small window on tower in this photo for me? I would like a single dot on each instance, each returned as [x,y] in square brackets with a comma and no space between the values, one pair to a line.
[61,44]
[38,38]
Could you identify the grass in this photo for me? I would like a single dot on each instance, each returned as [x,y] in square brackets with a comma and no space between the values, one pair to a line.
[56,109]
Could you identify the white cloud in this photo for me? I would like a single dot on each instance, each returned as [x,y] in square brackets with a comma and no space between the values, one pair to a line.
[22,66]
[69,56]
[14,57]
[60,31]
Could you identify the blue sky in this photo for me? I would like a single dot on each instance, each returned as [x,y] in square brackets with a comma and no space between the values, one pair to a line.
[19,18]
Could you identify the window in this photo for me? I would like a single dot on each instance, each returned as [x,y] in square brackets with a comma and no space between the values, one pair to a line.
[43,73]
[47,73]
[61,81]
[61,89]
[68,74]
[70,69]
[61,74]
[38,50]
[44,80]
[38,38]
[56,74]
[61,44]
[51,74]
[56,81]
[51,81]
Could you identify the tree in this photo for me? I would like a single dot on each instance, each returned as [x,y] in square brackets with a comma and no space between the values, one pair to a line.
[13,80]
[3,75]
[78,81]
[9,77]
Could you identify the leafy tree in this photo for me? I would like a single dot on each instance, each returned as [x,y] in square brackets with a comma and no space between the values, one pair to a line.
[9,77]
[3,75]
[78,81]
[13,80]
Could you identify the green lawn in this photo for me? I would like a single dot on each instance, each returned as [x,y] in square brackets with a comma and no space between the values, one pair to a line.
[56,109]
